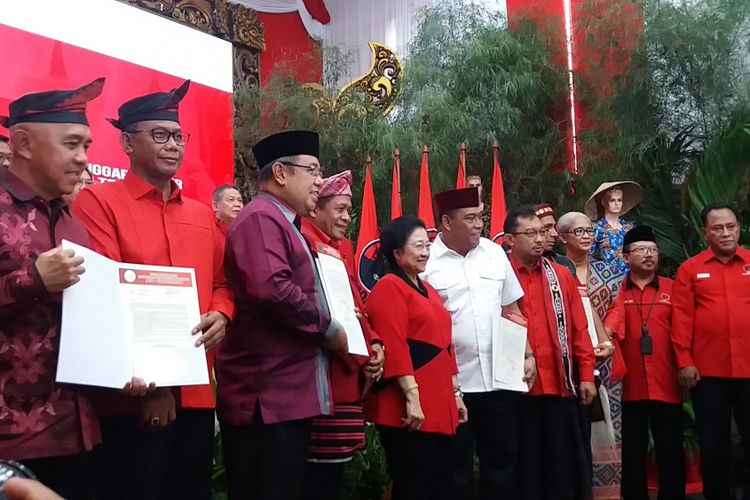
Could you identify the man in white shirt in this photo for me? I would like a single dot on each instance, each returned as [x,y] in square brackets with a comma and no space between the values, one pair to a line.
[476,282]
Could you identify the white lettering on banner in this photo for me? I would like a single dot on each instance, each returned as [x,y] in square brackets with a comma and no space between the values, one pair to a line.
[106,173]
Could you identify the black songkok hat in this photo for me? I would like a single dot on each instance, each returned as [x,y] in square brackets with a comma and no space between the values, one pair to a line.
[156,106]
[54,106]
[457,198]
[639,233]
[289,143]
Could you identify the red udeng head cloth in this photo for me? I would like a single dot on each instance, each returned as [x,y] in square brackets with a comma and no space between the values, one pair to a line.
[337,185]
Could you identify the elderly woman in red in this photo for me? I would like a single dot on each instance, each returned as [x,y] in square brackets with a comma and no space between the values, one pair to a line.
[418,404]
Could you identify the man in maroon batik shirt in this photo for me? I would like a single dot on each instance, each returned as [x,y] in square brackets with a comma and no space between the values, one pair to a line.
[273,367]
[49,427]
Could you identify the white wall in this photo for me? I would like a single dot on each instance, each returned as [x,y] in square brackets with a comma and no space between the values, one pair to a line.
[354,23]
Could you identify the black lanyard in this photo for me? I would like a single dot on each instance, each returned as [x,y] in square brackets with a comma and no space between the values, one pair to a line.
[646,346]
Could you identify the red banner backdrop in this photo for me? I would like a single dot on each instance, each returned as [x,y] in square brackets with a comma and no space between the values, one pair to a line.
[33,63]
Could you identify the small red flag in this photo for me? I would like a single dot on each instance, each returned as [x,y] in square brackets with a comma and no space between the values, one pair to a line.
[396,210]
[461,177]
[497,201]
[424,210]
[368,218]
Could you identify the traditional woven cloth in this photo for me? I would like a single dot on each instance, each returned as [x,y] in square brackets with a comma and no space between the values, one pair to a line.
[604,284]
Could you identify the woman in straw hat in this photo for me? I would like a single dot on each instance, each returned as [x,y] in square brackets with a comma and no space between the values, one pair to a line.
[606,206]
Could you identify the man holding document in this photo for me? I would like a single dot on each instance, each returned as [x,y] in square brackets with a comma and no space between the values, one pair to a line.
[336,437]
[554,461]
[477,283]
[161,445]
[273,367]
[48,426]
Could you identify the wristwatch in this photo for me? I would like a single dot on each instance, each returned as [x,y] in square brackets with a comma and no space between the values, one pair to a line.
[458,392]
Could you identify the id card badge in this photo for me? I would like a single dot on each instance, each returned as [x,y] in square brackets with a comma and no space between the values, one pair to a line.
[646,347]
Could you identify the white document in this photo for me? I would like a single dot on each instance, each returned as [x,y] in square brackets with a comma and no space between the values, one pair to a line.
[338,291]
[589,315]
[130,320]
[508,353]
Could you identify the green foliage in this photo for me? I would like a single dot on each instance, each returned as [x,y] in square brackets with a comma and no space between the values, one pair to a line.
[667,107]
[366,476]
[685,72]
[467,79]
[722,172]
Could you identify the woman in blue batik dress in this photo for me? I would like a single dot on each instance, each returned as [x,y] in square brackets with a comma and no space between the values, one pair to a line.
[606,206]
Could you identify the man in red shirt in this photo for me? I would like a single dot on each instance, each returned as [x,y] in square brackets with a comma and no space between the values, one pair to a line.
[226,202]
[51,428]
[546,214]
[554,461]
[711,336]
[651,398]
[161,445]
[336,437]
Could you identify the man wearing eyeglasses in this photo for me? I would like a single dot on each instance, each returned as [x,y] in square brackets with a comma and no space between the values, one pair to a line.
[273,368]
[651,398]
[160,445]
[554,461]
[475,282]
[711,336]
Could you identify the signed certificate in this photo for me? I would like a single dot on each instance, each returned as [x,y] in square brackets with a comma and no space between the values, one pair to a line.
[130,320]
[338,291]
[508,352]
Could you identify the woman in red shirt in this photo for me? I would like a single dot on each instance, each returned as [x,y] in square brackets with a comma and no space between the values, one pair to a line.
[418,404]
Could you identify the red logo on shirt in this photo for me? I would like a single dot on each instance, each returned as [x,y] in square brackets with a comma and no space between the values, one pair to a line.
[664,297]
[746,270]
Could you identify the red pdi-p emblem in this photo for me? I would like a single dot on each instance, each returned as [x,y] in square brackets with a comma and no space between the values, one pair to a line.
[665,297]
[746,270]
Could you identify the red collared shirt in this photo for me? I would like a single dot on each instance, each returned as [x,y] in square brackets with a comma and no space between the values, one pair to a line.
[129,221]
[533,307]
[416,330]
[652,376]
[222,226]
[346,373]
[38,417]
[710,322]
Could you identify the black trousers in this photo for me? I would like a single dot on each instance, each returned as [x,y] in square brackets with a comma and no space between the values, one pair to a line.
[71,477]
[553,459]
[665,422]
[266,461]
[323,480]
[171,464]
[493,431]
[714,400]
[420,463]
